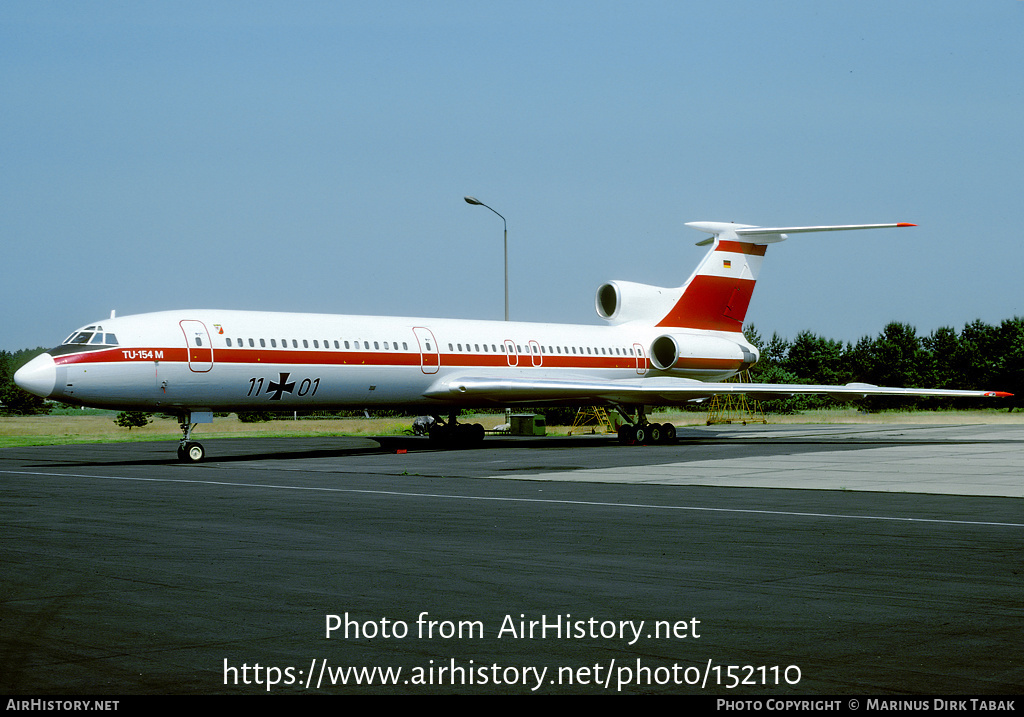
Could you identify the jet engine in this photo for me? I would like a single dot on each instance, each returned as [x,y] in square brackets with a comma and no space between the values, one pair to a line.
[622,301]
[670,351]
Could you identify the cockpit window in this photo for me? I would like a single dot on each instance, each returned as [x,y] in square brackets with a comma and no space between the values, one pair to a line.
[79,338]
[91,335]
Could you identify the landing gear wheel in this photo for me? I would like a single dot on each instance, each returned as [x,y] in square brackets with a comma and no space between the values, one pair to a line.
[625,434]
[668,433]
[655,433]
[191,452]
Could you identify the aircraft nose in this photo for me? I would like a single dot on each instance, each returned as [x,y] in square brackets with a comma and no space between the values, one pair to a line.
[38,376]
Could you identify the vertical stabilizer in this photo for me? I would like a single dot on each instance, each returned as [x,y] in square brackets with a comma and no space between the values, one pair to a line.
[716,297]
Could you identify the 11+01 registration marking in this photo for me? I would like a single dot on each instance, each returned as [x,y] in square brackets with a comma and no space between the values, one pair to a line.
[308,386]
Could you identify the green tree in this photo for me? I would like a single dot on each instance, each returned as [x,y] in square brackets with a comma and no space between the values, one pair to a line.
[817,359]
[975,360]
[1010,363]
[898,357]
[132,419]
[941,347]
[13,399]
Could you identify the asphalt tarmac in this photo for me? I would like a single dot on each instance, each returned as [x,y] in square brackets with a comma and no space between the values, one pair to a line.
[762,560]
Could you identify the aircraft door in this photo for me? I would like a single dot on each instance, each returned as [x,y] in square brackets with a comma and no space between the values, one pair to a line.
[199,345]
[535,353]
[641,362]
[511,353]
[430,354]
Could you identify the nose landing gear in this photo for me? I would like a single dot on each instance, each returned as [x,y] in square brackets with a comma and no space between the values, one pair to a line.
[189,451]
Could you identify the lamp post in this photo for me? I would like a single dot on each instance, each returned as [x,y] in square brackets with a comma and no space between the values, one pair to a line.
[477,202]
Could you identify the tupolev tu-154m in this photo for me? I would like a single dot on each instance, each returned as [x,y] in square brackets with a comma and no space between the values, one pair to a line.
[660,346]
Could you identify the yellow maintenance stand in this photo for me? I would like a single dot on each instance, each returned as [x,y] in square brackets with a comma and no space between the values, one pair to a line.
[735,408]
[585,417]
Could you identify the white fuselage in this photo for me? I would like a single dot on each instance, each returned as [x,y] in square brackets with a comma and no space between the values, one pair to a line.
[208,360]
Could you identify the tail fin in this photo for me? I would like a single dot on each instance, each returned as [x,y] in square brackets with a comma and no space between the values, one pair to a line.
[718,293]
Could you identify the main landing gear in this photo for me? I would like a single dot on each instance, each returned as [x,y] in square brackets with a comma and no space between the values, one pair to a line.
[647,434]
[455,434]
[189,451]
[642,433]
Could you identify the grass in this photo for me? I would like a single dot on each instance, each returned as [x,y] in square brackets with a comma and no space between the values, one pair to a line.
[91,426]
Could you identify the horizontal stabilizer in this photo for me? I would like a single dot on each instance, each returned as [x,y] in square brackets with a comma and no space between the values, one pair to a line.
[769,235]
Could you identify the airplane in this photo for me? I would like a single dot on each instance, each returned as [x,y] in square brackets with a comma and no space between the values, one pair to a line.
[660,346]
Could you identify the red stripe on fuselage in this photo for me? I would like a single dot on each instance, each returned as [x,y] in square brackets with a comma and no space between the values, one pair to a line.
[255,357]
[125,355]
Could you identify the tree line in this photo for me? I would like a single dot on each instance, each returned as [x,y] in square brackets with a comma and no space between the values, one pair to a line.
[14,401]
[981,356]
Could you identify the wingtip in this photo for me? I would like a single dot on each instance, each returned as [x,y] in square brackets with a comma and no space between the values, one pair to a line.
[906,224]
[999,394]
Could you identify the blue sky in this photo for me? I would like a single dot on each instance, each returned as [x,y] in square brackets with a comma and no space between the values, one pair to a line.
[314,156]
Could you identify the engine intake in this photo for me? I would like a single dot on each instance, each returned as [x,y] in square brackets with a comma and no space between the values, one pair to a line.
[622,301]
[670,351]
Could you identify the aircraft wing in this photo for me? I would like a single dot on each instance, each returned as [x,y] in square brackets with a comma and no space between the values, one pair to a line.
[655,391]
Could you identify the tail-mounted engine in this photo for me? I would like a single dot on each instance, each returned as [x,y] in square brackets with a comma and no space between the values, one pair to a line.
[622,301]
[689,351]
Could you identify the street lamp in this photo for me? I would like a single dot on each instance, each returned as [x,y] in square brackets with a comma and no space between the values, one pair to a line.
[477,202]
